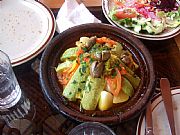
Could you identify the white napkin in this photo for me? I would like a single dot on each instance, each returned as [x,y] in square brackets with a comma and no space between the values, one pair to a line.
[71,14]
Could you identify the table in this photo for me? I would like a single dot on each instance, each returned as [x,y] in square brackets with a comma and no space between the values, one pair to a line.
[166,57]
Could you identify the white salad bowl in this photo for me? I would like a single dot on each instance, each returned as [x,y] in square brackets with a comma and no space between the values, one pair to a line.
[107,6]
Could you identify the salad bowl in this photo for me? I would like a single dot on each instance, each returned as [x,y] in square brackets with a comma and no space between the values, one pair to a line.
[148,27]
[53,90]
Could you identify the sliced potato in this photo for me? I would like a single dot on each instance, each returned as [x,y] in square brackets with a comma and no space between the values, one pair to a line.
[105,101]
[122,97]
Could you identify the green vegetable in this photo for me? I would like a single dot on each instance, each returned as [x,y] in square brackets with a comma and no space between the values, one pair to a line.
[127,68]
[133,79]
[64,65]
[137,28]
[110,64]
[92,92]
[173,18]
[69,54]
[76,84]
[117,50]
[155,27]
[127,87]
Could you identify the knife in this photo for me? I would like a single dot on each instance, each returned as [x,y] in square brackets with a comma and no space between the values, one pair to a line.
[149,122]
[167,98]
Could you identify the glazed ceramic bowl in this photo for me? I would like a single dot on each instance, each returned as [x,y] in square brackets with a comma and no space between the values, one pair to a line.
[91,128]
[53,90]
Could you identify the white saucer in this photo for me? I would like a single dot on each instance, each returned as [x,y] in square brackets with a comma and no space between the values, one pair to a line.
[160,121]
[26,28]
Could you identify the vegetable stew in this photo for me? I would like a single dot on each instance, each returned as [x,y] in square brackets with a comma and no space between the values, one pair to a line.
[97,73]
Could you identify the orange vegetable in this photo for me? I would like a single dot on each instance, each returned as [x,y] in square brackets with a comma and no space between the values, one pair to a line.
[63,78]
[73,68]
[114,83]
[66,75]
[123,71]
[111,42]
[103,40]
[80,51]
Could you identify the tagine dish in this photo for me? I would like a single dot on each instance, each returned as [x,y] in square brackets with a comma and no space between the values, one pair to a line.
[98,72]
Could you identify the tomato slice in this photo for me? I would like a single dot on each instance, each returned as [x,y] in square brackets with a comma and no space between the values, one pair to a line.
[123,14]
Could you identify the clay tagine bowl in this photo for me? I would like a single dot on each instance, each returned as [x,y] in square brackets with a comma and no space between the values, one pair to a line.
[53,90]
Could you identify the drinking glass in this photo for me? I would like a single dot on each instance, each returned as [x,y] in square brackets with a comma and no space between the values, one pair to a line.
[13,103]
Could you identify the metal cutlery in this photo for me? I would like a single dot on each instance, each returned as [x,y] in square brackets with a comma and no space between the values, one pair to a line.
[149,122]
[167,98]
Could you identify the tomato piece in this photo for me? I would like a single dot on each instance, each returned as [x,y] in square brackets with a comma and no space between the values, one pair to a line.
[86,59]
[114,83]
[123,14]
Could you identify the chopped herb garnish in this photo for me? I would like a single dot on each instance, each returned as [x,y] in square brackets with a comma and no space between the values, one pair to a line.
[81,57]
[70,93]
[80,71]
[89,86]
[83,82]
[84,49]
[74,82]
[91,60]
[114,74]
[79,89]
[84,68]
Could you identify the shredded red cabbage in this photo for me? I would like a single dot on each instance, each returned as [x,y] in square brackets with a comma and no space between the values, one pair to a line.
[166,5]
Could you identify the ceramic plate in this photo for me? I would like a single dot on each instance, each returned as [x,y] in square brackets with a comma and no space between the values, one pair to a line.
[107,5]
[26,28]
[160,121]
